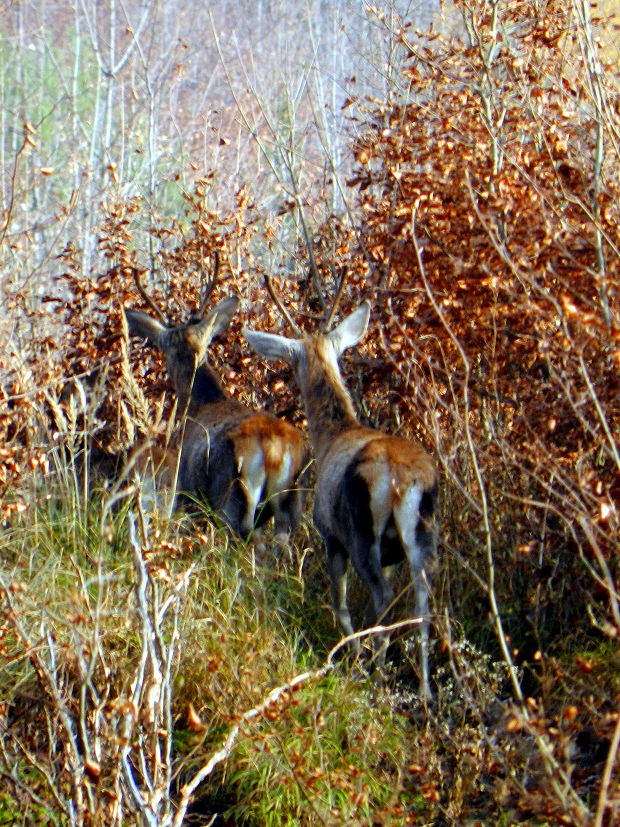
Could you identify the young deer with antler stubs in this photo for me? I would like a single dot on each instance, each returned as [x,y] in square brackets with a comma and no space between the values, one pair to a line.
[376,494]
[246,464]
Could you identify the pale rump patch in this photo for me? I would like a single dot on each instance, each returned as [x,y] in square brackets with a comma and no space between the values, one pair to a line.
[252,475]
[283,479]
[380,503]
[269,454]
[405,463]
[406,515]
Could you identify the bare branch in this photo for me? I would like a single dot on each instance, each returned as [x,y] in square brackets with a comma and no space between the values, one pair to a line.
[606,779]
[272,697]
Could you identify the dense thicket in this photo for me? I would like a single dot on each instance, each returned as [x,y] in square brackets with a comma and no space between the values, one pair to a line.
[482,206]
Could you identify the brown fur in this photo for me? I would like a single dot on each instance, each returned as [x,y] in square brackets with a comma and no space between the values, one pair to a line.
[328,405]
[331,416]
[225,410]
[275,438]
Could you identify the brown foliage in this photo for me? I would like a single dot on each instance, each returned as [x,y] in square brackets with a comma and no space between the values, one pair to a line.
[487,232]
[490,239]
[73,380]
[490,235]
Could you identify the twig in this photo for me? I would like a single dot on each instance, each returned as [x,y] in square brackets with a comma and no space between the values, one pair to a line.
[558,778]
[606,779]
[332,312]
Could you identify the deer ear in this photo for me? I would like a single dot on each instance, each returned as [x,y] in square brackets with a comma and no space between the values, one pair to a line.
[140,324]
[271,346]
[216,321]
[350,331]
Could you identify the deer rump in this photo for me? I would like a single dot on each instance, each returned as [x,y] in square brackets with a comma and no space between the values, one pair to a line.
[243,465]
[381,490]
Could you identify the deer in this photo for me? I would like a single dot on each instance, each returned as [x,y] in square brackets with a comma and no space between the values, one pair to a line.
[246,464]
[376,494]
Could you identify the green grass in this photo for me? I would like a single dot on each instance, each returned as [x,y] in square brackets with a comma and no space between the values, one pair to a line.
[336,748]
[229,626]
[329,750]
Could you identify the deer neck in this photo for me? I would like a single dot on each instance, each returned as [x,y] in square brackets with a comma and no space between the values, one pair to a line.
[327,403]
[205,388]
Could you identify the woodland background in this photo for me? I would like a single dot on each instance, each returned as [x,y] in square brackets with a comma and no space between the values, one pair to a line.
[456,163]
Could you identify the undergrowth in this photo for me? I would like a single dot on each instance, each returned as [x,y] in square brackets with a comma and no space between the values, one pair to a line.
[101,651]
[152,668]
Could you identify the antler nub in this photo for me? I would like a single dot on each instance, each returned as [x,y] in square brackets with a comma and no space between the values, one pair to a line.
[283,311]
[147,298]
[341,283]
[209,284]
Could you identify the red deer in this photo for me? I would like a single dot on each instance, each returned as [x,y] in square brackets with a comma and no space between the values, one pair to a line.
[376,494]
[246,464]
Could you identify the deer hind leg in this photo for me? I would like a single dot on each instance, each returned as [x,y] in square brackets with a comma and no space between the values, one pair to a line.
[337,563]
[366,557]
[233,508]
[417,545]
[368,565]
[280,500]
[287,509]
[291,508]
[274,506]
